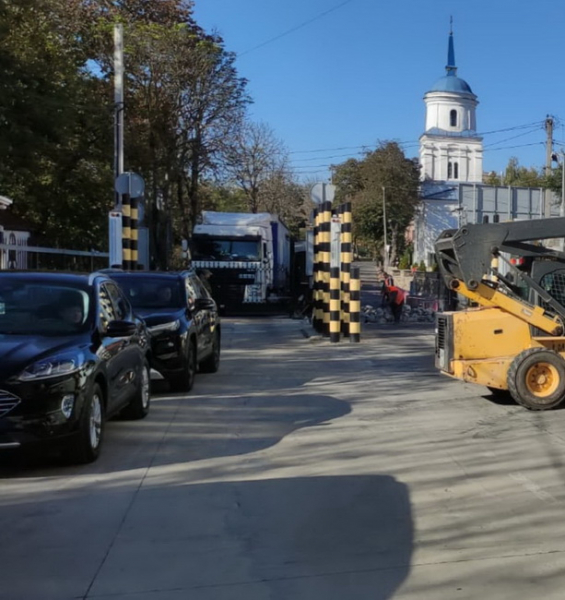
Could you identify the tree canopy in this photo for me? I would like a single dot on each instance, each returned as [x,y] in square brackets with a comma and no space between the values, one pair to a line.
[383,181]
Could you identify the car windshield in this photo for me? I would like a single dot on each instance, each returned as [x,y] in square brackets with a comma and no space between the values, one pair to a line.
[224,250]
[152,292]
[42,308]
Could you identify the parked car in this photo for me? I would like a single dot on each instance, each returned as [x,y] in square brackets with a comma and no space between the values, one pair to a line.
[182,319]
[72,355]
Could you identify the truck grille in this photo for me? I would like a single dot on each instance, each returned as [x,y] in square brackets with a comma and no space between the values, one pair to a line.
[7,402]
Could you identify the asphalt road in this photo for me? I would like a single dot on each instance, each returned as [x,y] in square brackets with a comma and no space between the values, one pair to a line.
[303,470]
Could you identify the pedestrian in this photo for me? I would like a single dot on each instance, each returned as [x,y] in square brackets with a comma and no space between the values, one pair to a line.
[395,298]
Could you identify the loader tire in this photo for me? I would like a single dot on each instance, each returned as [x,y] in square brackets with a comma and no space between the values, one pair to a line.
[536,379]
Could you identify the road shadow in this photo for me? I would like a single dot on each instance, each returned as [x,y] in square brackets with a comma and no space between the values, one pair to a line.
[334,537]
[182,429]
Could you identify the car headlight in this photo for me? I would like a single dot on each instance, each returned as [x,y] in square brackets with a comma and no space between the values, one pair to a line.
[170,326]
[53,366]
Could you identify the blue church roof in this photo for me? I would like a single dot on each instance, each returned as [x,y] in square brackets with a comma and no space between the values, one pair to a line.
[451,83]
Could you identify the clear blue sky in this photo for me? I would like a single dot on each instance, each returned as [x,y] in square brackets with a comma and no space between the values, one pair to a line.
[329,84]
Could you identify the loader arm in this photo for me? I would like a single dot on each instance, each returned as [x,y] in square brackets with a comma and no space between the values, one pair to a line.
[465,260]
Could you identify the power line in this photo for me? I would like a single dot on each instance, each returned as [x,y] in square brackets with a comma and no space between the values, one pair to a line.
[296,28]
[416,142]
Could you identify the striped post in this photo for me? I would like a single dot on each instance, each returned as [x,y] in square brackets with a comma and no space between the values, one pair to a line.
[334,304]
[126,232]
[325,228]
[355,306]
[346,259]
[134,232]
[317,313]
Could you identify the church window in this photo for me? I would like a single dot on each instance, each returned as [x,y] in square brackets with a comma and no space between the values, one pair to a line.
[453,118]
[452,170]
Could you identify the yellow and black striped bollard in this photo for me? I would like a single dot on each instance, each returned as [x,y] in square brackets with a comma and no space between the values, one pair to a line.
[134,232]
[326,255]
[346,259]
[355,306]
[126,232]
[335,302]
[317,295]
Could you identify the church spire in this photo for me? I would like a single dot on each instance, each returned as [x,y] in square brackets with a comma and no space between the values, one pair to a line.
[450,67]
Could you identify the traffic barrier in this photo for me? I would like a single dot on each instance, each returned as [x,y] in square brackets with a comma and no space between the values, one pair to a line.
[355,306]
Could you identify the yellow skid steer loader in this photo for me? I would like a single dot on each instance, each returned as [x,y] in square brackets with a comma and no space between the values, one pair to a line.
[512,339]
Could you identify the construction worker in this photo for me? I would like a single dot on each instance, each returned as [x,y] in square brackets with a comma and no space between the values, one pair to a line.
[395,298]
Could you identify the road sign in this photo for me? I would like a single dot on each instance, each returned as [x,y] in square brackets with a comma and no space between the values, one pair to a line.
[322,192]
[130,183]
[335,247]
[115,237]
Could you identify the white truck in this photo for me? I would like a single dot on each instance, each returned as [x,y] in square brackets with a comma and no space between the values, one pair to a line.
[248,254]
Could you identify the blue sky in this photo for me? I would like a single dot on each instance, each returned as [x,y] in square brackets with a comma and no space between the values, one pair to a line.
[330,84]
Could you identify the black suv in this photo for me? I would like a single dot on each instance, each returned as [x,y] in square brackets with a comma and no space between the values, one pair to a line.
[72,354]
[182,319]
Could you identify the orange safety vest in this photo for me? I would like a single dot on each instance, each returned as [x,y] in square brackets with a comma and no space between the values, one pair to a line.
[400,294]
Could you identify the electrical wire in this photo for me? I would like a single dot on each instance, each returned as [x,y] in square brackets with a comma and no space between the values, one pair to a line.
[416,142]
[295,28]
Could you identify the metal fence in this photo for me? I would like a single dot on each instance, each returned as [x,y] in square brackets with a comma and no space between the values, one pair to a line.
[21,257]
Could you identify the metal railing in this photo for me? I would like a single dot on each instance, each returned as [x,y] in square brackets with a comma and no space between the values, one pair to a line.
[22,257]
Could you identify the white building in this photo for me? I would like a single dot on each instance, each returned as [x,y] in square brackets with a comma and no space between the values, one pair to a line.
[13,232]
[451,157]
[450,150]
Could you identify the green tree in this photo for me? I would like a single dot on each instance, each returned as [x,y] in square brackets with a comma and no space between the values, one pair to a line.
[518,176]
[55,130]
[185,101]
[384,180]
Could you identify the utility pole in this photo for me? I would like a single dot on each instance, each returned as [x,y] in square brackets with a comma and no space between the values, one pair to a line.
[118,99]
[115,225]
[548,155]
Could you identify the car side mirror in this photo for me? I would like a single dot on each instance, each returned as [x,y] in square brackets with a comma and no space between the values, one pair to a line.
[204,304]
[120,329]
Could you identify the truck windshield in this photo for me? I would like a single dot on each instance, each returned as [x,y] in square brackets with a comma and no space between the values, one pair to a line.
[225,250]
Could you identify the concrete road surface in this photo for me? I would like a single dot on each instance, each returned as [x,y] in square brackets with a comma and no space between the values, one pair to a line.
[304,471]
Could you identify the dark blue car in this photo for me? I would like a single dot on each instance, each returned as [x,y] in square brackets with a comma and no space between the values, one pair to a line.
[72,354]
[182,319]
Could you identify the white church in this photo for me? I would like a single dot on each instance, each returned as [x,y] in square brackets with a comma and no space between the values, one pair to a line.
[451,158]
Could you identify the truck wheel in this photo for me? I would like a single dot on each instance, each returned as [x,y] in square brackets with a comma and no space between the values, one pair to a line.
[536,379]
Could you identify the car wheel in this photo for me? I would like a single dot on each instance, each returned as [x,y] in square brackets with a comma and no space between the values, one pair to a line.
[138,408]
[212,363]
[536,379]
[183,382]
[86,445]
